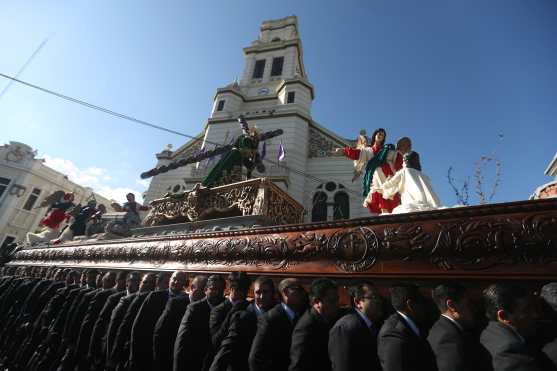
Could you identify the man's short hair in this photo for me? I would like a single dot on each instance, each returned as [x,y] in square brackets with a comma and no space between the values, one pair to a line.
[215,279]
[122,276]
[288,282]
[320,287]
[163,275]
[239,280]
[502,296]
[401,293]
[264,280]
[358,290]
[200,281]
[549,294]
[135,275]
[447,291]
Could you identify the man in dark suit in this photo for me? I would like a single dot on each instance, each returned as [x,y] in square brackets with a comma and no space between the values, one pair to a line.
[310,338]
[402,344]
[141,343]
[193,338]
[451,340]
[549,296]
[166,328]
[120,353]
[97,344]
[82,323]
[270,350]
[509,310]
[353,338]
[234,349]
[197,288]
[219,320]
[111,284]
[147,284]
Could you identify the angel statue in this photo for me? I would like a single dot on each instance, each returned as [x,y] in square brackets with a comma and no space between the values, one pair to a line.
[414,187]
[379,161]
[81,217]
[132,209]
[59,204]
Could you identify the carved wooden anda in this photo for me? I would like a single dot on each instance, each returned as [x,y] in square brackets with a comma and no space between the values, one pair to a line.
[513,240]
[251,197]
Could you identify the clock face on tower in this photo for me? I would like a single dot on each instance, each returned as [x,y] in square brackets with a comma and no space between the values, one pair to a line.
[263,91]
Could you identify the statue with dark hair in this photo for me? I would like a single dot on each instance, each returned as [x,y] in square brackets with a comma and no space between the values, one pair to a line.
[381,162]
[414,187]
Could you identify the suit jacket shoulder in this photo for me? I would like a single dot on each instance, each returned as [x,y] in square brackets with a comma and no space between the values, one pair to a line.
[507,350]
[399,348]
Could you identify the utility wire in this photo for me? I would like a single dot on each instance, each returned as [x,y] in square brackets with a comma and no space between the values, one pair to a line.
[35,53]
[148,124]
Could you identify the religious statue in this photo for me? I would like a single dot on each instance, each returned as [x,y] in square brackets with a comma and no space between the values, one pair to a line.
[244,152]
[414,187]
[59,205]
[79,223]
[380,162]
[132,209]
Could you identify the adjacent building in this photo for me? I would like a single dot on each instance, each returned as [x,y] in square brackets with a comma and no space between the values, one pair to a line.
[274,92]
[549,189]
[24,183]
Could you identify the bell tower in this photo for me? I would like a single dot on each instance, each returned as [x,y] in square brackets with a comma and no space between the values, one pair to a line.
[273,69]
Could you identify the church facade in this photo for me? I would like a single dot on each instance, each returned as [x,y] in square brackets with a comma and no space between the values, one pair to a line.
[274,92]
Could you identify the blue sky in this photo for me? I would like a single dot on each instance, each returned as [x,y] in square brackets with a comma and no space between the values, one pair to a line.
[461,78]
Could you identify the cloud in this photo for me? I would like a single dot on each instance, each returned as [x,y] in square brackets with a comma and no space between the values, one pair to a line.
[94,177]
[143,182]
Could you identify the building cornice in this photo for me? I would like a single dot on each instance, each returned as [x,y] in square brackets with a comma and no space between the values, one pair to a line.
[297,81]
[552,167]
[267,116]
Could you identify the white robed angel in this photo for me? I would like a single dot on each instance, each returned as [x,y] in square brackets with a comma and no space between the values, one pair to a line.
[416,191]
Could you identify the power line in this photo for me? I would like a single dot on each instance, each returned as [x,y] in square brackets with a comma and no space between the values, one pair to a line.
[35,53]
[145,123]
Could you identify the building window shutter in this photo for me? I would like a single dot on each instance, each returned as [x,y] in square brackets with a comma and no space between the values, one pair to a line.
[276,69]
[259,69]
[33,197]
[3,185]
[220,105]
[290,97]
[319,209]
[342,206]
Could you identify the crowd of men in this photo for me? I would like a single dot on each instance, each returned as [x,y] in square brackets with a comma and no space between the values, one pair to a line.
[62,319]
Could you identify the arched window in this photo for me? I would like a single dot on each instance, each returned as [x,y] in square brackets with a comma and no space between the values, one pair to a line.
[319,209]
[342,206]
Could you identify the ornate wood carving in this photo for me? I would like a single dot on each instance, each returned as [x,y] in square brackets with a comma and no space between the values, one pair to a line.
[251,197]
[518,239]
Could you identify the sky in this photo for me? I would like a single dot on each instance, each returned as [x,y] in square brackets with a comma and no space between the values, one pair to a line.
[463,79]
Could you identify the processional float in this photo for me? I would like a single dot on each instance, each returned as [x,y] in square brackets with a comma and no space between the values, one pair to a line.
[254,226]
